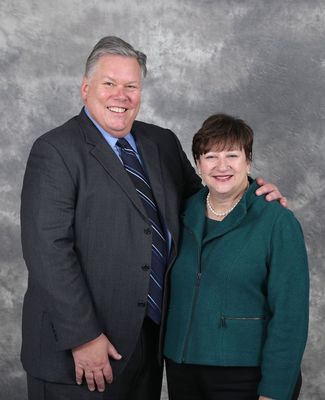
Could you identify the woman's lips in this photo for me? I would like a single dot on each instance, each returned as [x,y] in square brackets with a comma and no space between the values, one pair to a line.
[222,178]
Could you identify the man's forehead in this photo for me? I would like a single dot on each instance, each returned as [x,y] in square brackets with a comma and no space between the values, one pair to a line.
[114,65]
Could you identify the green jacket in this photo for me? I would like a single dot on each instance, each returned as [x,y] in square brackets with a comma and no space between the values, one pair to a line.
[239,296]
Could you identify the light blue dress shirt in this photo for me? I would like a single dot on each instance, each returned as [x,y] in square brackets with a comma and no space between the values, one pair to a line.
[111,140]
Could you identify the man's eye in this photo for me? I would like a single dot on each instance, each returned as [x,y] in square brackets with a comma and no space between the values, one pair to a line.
[108,83]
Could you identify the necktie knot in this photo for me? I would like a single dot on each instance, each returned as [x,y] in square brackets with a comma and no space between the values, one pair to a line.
[123,144]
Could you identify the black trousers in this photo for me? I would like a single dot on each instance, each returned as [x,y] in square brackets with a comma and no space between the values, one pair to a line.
[141,379]
[200,382]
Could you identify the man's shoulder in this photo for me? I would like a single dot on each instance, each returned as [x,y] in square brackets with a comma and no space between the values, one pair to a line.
[148,128]
[63,133]
[68,139]
[163,137]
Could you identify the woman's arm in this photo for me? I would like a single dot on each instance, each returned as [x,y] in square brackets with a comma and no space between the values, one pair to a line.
[288,302]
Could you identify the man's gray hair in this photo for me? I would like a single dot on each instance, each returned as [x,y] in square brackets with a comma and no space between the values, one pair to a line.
[114,45]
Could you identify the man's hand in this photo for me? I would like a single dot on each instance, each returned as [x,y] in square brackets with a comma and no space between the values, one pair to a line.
[271,191]
[92,360]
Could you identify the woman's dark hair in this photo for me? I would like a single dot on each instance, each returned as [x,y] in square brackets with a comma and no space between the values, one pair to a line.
[223,132]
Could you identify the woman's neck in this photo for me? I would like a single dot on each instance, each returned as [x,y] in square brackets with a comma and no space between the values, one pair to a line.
[219,205]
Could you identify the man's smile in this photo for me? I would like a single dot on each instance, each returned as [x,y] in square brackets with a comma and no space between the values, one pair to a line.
[117,109]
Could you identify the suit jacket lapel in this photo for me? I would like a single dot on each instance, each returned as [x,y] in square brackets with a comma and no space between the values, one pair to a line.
[109,161]
[149,152]
[150,155]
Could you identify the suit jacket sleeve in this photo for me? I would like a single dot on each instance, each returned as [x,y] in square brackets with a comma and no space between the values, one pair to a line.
[48,203]
[192,182]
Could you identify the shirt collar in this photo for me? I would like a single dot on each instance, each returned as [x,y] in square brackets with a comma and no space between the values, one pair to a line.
[111,140]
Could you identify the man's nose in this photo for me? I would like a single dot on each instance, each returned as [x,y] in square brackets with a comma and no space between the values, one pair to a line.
[119,92]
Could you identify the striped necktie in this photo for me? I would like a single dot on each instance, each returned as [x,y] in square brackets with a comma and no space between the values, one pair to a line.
[159,245]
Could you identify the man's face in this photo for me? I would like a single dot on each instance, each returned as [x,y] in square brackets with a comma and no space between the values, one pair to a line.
[112,93]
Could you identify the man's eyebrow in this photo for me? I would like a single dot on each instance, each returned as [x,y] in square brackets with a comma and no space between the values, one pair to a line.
[114,80]
[108,77]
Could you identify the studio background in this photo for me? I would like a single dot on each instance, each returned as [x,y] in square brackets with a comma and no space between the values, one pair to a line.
[261,60]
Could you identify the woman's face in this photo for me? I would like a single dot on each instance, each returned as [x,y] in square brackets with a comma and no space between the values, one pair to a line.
[224,172]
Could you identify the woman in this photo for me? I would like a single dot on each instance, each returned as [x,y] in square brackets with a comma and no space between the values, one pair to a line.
[238,314]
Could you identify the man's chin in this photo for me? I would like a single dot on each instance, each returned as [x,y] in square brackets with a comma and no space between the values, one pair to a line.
[119,132]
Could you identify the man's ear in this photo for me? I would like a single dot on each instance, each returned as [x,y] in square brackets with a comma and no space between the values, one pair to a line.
[84,88]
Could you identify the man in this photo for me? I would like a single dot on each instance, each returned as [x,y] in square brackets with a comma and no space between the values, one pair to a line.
[99,217]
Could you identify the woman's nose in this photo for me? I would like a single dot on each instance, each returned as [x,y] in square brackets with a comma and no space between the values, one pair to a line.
[222,164]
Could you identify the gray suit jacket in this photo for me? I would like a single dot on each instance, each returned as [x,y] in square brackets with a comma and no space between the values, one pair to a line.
[87,241]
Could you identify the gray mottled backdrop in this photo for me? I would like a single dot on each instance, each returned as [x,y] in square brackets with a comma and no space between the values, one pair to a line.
[261,60]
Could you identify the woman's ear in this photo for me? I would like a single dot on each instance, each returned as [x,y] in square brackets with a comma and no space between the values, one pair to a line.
[198,167]
[249,167]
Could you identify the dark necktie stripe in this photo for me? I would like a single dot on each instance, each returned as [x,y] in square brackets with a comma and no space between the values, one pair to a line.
[159,247]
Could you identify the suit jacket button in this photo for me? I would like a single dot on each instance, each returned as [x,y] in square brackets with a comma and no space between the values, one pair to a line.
[54,332]
[147,231]
[141,303]
[145,267]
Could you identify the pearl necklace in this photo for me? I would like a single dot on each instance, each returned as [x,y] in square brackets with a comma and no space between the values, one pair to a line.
[220,214]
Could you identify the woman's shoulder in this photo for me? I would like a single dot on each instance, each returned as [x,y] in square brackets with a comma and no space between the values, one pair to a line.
[197,198]
[272,207]
[272,211]
[277,217]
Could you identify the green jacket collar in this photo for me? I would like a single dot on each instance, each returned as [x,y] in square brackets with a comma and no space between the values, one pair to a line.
[194,214]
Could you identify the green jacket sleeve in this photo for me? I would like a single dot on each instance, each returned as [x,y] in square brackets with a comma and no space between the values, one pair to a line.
[288,300]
